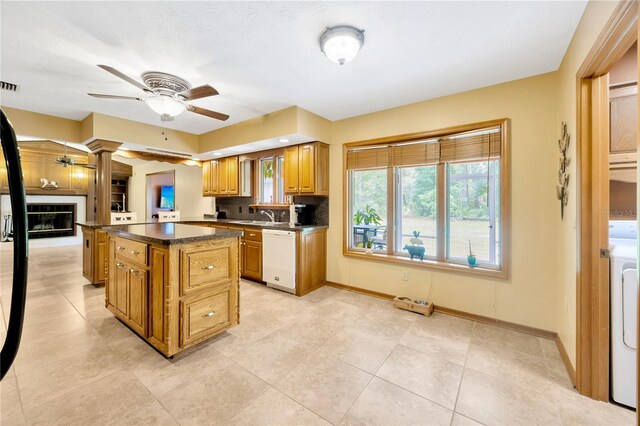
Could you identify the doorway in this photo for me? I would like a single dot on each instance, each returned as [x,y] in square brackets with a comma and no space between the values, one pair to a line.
[160,193]
[607,133]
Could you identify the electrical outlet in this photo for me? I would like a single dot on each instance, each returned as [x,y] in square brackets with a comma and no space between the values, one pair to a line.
[405,276]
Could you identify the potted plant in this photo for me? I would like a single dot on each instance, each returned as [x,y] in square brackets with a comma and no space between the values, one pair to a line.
[368,216]
[471,258]
[416,249]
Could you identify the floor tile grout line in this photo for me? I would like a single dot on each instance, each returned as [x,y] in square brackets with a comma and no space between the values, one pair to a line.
[356,399]
[464,369]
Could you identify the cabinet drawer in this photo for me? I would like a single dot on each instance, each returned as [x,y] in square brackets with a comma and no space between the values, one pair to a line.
[132,250]
[204,268]
[252,234]
[204,316]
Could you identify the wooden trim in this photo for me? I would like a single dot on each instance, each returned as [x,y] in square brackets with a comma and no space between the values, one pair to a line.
[148,156]
[360,290]
[592,127]
[146,190]
[546,334]
[565,359]
[426,134]
[618,35]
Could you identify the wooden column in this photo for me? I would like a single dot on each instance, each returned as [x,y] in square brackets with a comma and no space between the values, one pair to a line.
[102,150]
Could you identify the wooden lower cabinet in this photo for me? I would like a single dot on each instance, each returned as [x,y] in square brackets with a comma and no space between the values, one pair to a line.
[252,260]
[179,296]
[201,316]
[94,254]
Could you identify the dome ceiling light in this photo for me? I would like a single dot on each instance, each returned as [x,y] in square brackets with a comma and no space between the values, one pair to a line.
[341,43]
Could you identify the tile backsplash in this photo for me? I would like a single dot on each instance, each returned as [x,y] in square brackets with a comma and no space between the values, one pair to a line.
[315,212]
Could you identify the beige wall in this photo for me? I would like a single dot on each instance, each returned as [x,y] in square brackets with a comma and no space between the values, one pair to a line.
[188,182]
[529,295]
[591,24]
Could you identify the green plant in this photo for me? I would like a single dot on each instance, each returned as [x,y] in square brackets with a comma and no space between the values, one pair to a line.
[368,244]
[368,216]
[267,167]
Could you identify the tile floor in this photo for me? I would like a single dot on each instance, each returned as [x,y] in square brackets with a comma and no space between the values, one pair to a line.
[330,357]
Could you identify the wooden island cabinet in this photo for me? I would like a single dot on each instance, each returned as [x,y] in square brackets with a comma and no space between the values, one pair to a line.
[175,285]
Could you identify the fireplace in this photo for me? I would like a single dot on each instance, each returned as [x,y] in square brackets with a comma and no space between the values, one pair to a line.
[51,220]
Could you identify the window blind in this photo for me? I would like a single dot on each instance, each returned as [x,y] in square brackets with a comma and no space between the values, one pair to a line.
[370,157]
[422,153]
[477,145]
[473,146]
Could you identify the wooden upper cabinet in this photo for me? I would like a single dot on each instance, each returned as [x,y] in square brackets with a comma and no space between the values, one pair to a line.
[624,120]
[206,178]
[220,177]
[306,169]
[223,176]
[213,180]
[291,174]
[232,176]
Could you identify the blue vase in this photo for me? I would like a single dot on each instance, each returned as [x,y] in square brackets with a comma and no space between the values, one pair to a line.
[471,260]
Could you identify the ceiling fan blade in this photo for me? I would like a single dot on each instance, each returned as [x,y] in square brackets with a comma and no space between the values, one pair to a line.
[208,113]
[198,92]
[98,95]
[125,78]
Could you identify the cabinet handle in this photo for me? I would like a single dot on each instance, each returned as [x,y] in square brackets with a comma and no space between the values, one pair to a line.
[120,265]
[120,248]
[135,253]
[135,272]
[208,268]
[252,235]
[210,314]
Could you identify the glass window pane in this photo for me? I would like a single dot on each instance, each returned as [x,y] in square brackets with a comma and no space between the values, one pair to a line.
[369,209]
[473,211]
[266,180]
[417,207]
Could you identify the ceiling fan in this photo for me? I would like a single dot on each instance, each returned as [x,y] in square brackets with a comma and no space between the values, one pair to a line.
[68,161]
[167,94]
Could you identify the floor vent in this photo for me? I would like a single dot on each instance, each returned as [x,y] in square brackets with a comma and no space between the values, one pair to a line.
[8,86]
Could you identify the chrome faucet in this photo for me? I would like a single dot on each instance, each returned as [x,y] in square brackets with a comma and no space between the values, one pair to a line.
[269,214]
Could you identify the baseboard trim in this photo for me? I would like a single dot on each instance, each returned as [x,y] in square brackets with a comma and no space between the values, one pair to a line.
[565,359]
[538,332]
[360,290]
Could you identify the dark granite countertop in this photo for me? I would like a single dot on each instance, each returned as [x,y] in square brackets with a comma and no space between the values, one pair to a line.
[205,221]
[170,233]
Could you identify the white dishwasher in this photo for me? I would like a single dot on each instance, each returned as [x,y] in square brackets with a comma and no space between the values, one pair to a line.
[279,259]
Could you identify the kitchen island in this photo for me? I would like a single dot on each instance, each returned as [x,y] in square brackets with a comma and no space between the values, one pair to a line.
[175,285]
[311,249]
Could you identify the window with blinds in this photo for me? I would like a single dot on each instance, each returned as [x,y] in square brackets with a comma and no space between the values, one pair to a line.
[477,145]
[435,196]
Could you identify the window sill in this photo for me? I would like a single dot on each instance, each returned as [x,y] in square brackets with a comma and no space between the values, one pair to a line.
[428,264]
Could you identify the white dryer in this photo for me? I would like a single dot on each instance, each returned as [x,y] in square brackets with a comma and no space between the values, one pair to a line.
[623,241]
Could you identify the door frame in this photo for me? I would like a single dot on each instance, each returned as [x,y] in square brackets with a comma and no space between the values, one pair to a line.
[592,135]
[147,194]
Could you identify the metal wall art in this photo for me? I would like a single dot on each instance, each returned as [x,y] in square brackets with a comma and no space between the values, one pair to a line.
[562,188]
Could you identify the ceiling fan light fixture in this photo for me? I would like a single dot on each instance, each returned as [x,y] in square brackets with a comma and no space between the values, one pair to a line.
[341,43]
[166,105]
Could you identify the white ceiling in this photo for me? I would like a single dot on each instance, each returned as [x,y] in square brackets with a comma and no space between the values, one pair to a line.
[264,56]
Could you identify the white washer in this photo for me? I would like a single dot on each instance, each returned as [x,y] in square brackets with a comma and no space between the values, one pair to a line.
[623,241]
